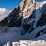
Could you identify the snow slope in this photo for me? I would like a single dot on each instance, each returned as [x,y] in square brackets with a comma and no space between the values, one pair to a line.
[10,34]
[28,42]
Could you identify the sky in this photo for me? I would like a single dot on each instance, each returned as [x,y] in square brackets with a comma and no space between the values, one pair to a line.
[10,4]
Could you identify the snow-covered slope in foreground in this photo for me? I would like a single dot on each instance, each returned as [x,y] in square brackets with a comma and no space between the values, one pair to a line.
[27,43]
[33,43]
[10,34]
[13,34]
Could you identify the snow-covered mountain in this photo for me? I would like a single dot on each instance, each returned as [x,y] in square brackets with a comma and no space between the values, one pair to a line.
[27,21]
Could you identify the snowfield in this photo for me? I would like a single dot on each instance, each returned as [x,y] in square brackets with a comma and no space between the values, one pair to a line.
[13,34]
[27,43]
[10,34]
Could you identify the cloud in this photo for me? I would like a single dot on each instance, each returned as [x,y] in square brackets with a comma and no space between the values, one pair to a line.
[4,13]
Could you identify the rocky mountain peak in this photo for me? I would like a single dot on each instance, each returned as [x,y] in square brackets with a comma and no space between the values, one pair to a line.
[23,13]
[26,3]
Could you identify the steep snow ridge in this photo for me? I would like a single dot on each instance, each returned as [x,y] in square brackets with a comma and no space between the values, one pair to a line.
[27,43]
[37,15]
[44,2]
[33,33]
[40,4]
[39,7]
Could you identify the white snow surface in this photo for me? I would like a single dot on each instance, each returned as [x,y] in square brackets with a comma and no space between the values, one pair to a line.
[32,43]
[12,34]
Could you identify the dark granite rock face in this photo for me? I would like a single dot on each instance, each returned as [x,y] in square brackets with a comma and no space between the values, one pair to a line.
[12,18]
[15,17]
